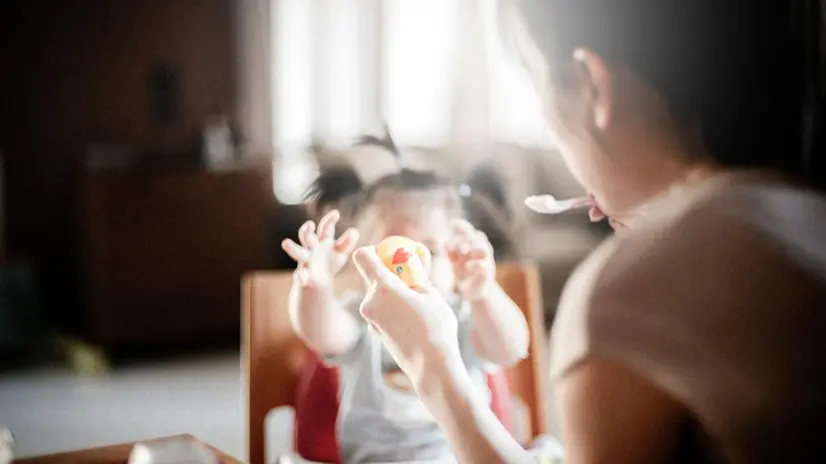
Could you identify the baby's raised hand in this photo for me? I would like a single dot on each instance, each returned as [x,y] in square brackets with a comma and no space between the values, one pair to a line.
[472,256]
[320,255]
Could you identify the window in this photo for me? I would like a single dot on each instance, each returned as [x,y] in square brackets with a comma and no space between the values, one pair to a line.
[293,123]
[516,105]
[292,73]
[340,68]
[417,59]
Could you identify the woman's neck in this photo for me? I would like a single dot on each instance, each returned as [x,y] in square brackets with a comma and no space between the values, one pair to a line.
[703,178]
[718,175]
[682,179]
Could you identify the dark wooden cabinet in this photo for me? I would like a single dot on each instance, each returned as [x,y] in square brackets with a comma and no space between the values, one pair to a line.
[163,254]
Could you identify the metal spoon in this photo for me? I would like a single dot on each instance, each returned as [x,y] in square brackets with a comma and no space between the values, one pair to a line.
[547,204]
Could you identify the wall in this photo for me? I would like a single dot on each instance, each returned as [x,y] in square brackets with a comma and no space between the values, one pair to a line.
[77,72]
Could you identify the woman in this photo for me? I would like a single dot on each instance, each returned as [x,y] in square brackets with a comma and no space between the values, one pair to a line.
[697,334]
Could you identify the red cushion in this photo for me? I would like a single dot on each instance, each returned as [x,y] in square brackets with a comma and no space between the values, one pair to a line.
[500,398]
[316,408]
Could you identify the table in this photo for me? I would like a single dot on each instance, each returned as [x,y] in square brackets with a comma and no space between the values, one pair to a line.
[114,454]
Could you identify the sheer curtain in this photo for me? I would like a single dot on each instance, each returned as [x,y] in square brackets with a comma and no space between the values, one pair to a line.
[433,69]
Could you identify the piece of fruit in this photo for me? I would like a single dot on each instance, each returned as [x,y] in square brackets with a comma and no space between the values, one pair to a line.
[407,258]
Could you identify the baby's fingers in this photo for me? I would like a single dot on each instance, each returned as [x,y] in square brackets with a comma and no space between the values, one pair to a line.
[307,236]
[347,242]
[475,268]
[480,240]
[327,225]
[476,254]
[463,228]
[461,252]
[457,248]
[295,251]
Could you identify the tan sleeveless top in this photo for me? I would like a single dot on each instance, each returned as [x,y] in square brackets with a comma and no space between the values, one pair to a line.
[718,297]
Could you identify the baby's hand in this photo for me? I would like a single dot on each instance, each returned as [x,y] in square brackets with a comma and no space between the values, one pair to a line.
[320,256]
[472,256]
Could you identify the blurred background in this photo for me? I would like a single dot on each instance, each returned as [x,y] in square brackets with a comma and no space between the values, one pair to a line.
[154,151]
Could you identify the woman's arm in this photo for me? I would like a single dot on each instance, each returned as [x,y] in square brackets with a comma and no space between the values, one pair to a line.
[419,329]
[500,333]
[472,429]
[611,415]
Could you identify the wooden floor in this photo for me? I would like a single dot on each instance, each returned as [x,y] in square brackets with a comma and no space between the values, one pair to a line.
[51,410]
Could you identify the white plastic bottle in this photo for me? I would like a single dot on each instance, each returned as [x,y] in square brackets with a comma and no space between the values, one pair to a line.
[218,149]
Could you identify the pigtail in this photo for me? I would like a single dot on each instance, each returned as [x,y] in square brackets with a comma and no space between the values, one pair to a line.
[485,204]
[386,141]
[337,185]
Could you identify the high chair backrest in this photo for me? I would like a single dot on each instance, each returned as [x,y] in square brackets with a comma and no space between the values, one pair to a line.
[273,356]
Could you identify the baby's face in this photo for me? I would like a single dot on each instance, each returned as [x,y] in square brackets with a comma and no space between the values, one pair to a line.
[423,223]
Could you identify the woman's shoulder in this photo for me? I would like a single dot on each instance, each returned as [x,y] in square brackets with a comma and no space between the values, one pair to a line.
[751,217]
[786,216]
[727,257]
[719,306]
[769,220]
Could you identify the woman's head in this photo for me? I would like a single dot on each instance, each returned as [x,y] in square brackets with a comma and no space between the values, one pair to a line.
[641,93]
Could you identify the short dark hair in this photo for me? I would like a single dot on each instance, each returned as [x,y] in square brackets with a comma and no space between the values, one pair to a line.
[481,202]
[737,68]
[341,181]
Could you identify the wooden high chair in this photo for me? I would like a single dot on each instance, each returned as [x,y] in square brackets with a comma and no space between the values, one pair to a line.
[273,355]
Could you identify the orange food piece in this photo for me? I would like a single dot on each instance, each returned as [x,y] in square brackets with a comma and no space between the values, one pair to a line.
[407,258]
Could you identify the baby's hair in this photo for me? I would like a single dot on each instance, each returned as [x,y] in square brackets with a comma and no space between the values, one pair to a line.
[488,209]
[385,142]
[333,185]
[339,186]
[340,182]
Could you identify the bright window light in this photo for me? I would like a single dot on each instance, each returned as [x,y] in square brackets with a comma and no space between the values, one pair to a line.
[343,115]
[293,97]
[418,57]
[292,73]
[516,113]
[325,62]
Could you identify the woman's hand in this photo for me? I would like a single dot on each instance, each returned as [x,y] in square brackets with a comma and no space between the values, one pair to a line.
[419,329]
[320,255]
[417,326]
[472,256]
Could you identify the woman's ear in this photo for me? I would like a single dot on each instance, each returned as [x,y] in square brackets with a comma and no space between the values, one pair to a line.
[594,79]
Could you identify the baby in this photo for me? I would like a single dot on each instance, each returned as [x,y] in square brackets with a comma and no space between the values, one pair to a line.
[380,417]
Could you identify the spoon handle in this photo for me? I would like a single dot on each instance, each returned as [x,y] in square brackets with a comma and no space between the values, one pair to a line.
[547,204]
[581,202]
